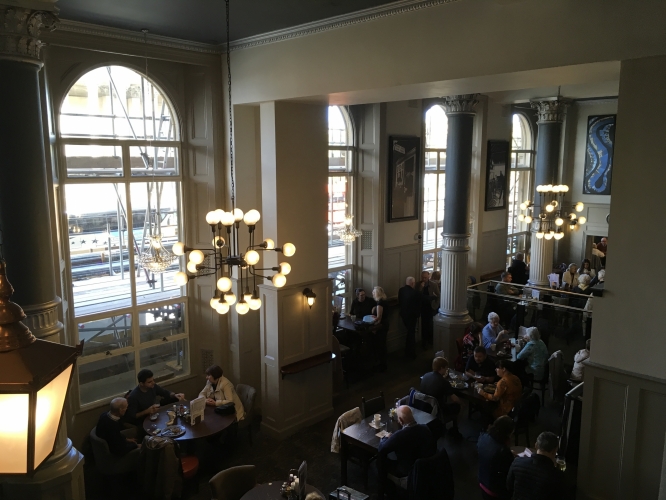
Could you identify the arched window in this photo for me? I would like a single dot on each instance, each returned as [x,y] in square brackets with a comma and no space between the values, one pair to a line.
[119,171]
[520,179]
[436,127]
[340,148]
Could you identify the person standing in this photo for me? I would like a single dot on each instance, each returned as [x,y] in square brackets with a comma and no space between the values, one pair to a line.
[518,269]
[495,459]
[381,326]
[427,296]
[537,477]
[602,246]
[410,310]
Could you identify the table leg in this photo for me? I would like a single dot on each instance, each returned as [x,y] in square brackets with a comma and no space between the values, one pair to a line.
[343,460]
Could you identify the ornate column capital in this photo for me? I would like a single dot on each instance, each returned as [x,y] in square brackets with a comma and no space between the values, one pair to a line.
[21,23]
[551,109]
[460,104]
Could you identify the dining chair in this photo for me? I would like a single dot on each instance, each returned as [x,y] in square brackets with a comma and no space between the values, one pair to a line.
[247,395]
[373,405]
[543,383]
[233,483]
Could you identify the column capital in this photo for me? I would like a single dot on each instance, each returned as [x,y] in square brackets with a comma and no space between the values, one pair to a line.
[460,104]
[550,109]
[21,23]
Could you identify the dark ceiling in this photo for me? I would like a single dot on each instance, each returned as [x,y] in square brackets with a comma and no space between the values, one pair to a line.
[204,20]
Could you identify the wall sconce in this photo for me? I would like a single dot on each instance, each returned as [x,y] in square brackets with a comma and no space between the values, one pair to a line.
[310,296]
[34,379]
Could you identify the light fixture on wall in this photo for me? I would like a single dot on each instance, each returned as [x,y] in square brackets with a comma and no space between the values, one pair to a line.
[552,217]
[34,379]
[310,296]
[225,260]
[348,233]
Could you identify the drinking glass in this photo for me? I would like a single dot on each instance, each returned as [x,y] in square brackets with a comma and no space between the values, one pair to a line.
[397,402]
[561,464]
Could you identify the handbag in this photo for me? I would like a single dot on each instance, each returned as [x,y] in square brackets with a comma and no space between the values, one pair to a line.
[226,409]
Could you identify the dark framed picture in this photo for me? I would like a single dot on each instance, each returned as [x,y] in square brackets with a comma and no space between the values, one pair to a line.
[404,178]
[497,169]
[599,154]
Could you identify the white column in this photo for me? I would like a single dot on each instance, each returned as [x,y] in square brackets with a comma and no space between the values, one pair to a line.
[455,250]
[541,263]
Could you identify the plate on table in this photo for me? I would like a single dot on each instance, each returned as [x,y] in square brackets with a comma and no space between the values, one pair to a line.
[458,384]
[490,388]
[173,431]
[154,416]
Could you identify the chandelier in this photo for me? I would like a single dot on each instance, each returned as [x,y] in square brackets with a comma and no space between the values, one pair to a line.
[225,259]
[156,258]
[552,216]
[348,233]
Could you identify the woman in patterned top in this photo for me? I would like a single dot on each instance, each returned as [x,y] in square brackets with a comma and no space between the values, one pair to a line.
[508,392]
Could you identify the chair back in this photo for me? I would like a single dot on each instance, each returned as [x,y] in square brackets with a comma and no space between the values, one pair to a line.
[247,394]
[431,478]
[373,405]
[101,452]
[233,483]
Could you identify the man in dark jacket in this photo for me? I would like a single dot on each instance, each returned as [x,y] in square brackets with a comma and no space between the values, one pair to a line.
[518,270]
[109,427]
[410,310]
[537,477]
[427,296]
[436,384]
[141,400]
[495,459]
[411,442]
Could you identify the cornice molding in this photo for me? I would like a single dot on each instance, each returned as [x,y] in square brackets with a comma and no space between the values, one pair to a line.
[331,23]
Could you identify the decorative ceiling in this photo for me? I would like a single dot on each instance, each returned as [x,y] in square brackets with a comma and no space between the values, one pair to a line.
[204,20]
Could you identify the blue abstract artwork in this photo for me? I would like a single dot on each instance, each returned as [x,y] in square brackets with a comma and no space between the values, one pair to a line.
[599,154]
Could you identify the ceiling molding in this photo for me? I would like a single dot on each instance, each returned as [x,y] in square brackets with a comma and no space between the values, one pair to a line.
[361,16]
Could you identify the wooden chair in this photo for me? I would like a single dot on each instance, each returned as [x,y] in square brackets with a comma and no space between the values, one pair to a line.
[233,483]
[373,405]
[543,383]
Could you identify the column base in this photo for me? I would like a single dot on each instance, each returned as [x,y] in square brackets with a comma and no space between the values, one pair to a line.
[60,479]
[446,330]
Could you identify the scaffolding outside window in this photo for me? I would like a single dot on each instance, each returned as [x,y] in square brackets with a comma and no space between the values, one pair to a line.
[120,177]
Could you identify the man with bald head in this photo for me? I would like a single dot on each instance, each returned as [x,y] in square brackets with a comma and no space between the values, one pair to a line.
[410,310]
[110,429]
[411,442]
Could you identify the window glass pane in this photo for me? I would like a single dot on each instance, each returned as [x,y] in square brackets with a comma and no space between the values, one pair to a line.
[98,246]
[440,209]
[116,102]
[342,286]
[108,377]
[430,211]
[442,160]
[436,127]
[429,261]
[431,160]
[93,161]
[151,160]
[337,207]
[337,127]
[166,360]
[338,161]
[106,334]
[161,322]
[155,209]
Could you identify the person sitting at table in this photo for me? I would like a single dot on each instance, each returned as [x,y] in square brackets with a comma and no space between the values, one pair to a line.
[570,277]
[411,442]
[537,477]
[495,459]
[141,401]
[471,340]
[504,288]
[508,390]
[583,286]
[219,390]
[110,429]
[535,353]
[519,270]
[599,278]
[480,366]
[493,331]
[361,305]
[586,268]
[579,368]
[381,326]
[436,384]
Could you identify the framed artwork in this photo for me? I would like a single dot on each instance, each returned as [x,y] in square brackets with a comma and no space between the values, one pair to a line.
[599,154]
[404,178]
[497,168]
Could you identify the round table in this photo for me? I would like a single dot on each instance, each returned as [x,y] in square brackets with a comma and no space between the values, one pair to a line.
[211,424]
[271,491]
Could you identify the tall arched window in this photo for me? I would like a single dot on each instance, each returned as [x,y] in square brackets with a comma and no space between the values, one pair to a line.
[520,179]
[340,148]
[119,168]
[436,126]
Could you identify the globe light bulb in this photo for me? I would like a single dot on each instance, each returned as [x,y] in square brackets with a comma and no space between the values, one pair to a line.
[556,189]
[559,221]
[238,215]
[528,219]
[549,208]
[549,235]
[564,189]
[539,189]
[197,256]
[285,268]
[224,284]
[523,206]
[269,244]
[223,308]
[247,296]
[288,249]
[559,236]
[579,206]
[252,257]
[181,278]
[279,280]
[227,219]
[582,219]
[214,302]
[242,308]
[212,217]
[521,217]
[230,297]
[218,242]
[255,303]
[252,217]
[178,248]
[539,234]
[192,267]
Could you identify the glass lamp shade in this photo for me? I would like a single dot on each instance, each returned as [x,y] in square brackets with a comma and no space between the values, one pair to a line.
[181,278]
[582,219]
[523,206]
[269,244]
[242,307]
[559,221]
[528,219]
[255,303]
[192,267]
[311,301]
[288,249]
[237,214]
[212,217]
[550,208]
[559,236]
[279,280]
[251,217]
[285,268]
[227,219]
[549,235]
[539,234]
[178,248]
[579,206]
[197,256]
[223,308]
[214,302]
[252,257]
[247,296]
[521,217]
[230,297]
[224,284]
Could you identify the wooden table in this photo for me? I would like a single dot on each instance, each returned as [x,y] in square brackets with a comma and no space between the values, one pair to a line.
[362,436]
[271,491]
[346,323]
[212,423]
[495,357]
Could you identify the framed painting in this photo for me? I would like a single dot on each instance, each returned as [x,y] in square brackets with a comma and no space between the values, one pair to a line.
[497,168]
[404,178]
[599,154]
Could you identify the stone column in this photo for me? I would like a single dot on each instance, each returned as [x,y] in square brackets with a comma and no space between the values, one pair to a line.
[550,115]
[25,220]
[453,317]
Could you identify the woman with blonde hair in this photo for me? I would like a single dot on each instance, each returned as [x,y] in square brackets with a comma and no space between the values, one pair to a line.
[380,327]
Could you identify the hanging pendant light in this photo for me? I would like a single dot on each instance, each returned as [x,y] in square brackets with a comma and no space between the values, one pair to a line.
[552,216]
[349,233]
